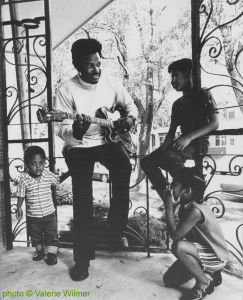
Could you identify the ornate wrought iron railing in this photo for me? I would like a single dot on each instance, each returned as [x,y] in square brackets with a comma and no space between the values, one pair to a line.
[27,58]
[214,43]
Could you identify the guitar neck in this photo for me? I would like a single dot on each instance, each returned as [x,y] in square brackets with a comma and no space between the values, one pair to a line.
[94,120]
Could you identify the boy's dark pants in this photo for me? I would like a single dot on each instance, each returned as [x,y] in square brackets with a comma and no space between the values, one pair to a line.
[43,230]
[81,162]
[169,160]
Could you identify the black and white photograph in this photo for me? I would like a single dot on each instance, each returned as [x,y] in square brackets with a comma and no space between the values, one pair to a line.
[121,149]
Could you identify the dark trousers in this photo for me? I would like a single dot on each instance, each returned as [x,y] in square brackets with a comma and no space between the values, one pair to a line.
[169,160]
[43,231]
[81,165]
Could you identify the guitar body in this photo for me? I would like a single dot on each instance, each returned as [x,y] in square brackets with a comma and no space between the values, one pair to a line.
[111,136]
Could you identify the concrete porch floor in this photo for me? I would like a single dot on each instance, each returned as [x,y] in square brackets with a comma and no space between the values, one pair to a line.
[113,276]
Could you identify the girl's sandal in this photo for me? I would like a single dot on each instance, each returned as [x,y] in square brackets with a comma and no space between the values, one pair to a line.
[198,293]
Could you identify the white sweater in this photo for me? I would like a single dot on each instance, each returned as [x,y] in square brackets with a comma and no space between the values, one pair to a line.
[77,96]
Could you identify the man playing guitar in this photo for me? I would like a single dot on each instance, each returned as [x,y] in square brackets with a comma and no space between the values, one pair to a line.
[85,143]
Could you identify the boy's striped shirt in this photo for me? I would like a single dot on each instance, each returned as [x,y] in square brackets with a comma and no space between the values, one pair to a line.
[37,193]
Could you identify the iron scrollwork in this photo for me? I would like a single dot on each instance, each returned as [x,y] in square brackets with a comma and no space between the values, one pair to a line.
[139,215]
[218,19]
[214,33]
[19,226]
[217,205]
[209,166]
[234,166]
[33,65]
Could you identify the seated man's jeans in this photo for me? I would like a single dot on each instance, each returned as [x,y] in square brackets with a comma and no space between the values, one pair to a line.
[169,160]
[81,165]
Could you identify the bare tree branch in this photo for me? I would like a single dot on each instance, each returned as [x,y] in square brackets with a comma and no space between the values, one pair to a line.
[139,104]
[164,91]
[86,31]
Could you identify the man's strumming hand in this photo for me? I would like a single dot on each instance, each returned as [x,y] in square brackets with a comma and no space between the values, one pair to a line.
[124,124]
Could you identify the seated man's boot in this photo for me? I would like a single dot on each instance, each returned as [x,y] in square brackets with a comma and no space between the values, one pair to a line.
[79,271]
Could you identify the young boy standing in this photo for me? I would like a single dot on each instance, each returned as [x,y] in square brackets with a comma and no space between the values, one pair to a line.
[196,118]
[35,188]
[198,241]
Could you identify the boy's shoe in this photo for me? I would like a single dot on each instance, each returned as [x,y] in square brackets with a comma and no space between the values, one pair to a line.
[51,259]
[38,255]
[217,278]
[198,293]
[79,271]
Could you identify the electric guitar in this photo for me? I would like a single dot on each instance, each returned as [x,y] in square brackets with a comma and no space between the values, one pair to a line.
[109,126]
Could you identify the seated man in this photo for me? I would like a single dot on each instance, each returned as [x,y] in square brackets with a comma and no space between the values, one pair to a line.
[85,93]
[196,118]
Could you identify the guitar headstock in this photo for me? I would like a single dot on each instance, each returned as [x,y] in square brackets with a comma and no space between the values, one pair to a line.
[45,116]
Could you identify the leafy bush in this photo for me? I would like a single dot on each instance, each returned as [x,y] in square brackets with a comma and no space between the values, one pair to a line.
[64,194]
[136,227]
[157,234]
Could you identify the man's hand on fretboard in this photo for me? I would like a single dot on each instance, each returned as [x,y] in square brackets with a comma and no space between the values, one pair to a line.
[80,126]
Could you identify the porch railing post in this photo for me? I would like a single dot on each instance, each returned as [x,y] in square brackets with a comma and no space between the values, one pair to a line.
[196,47]
[5,219]
[49,81]
[147,218]
[196,68]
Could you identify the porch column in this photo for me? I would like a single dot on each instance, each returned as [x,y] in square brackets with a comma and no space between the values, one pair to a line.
[196,69]
[5,211]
